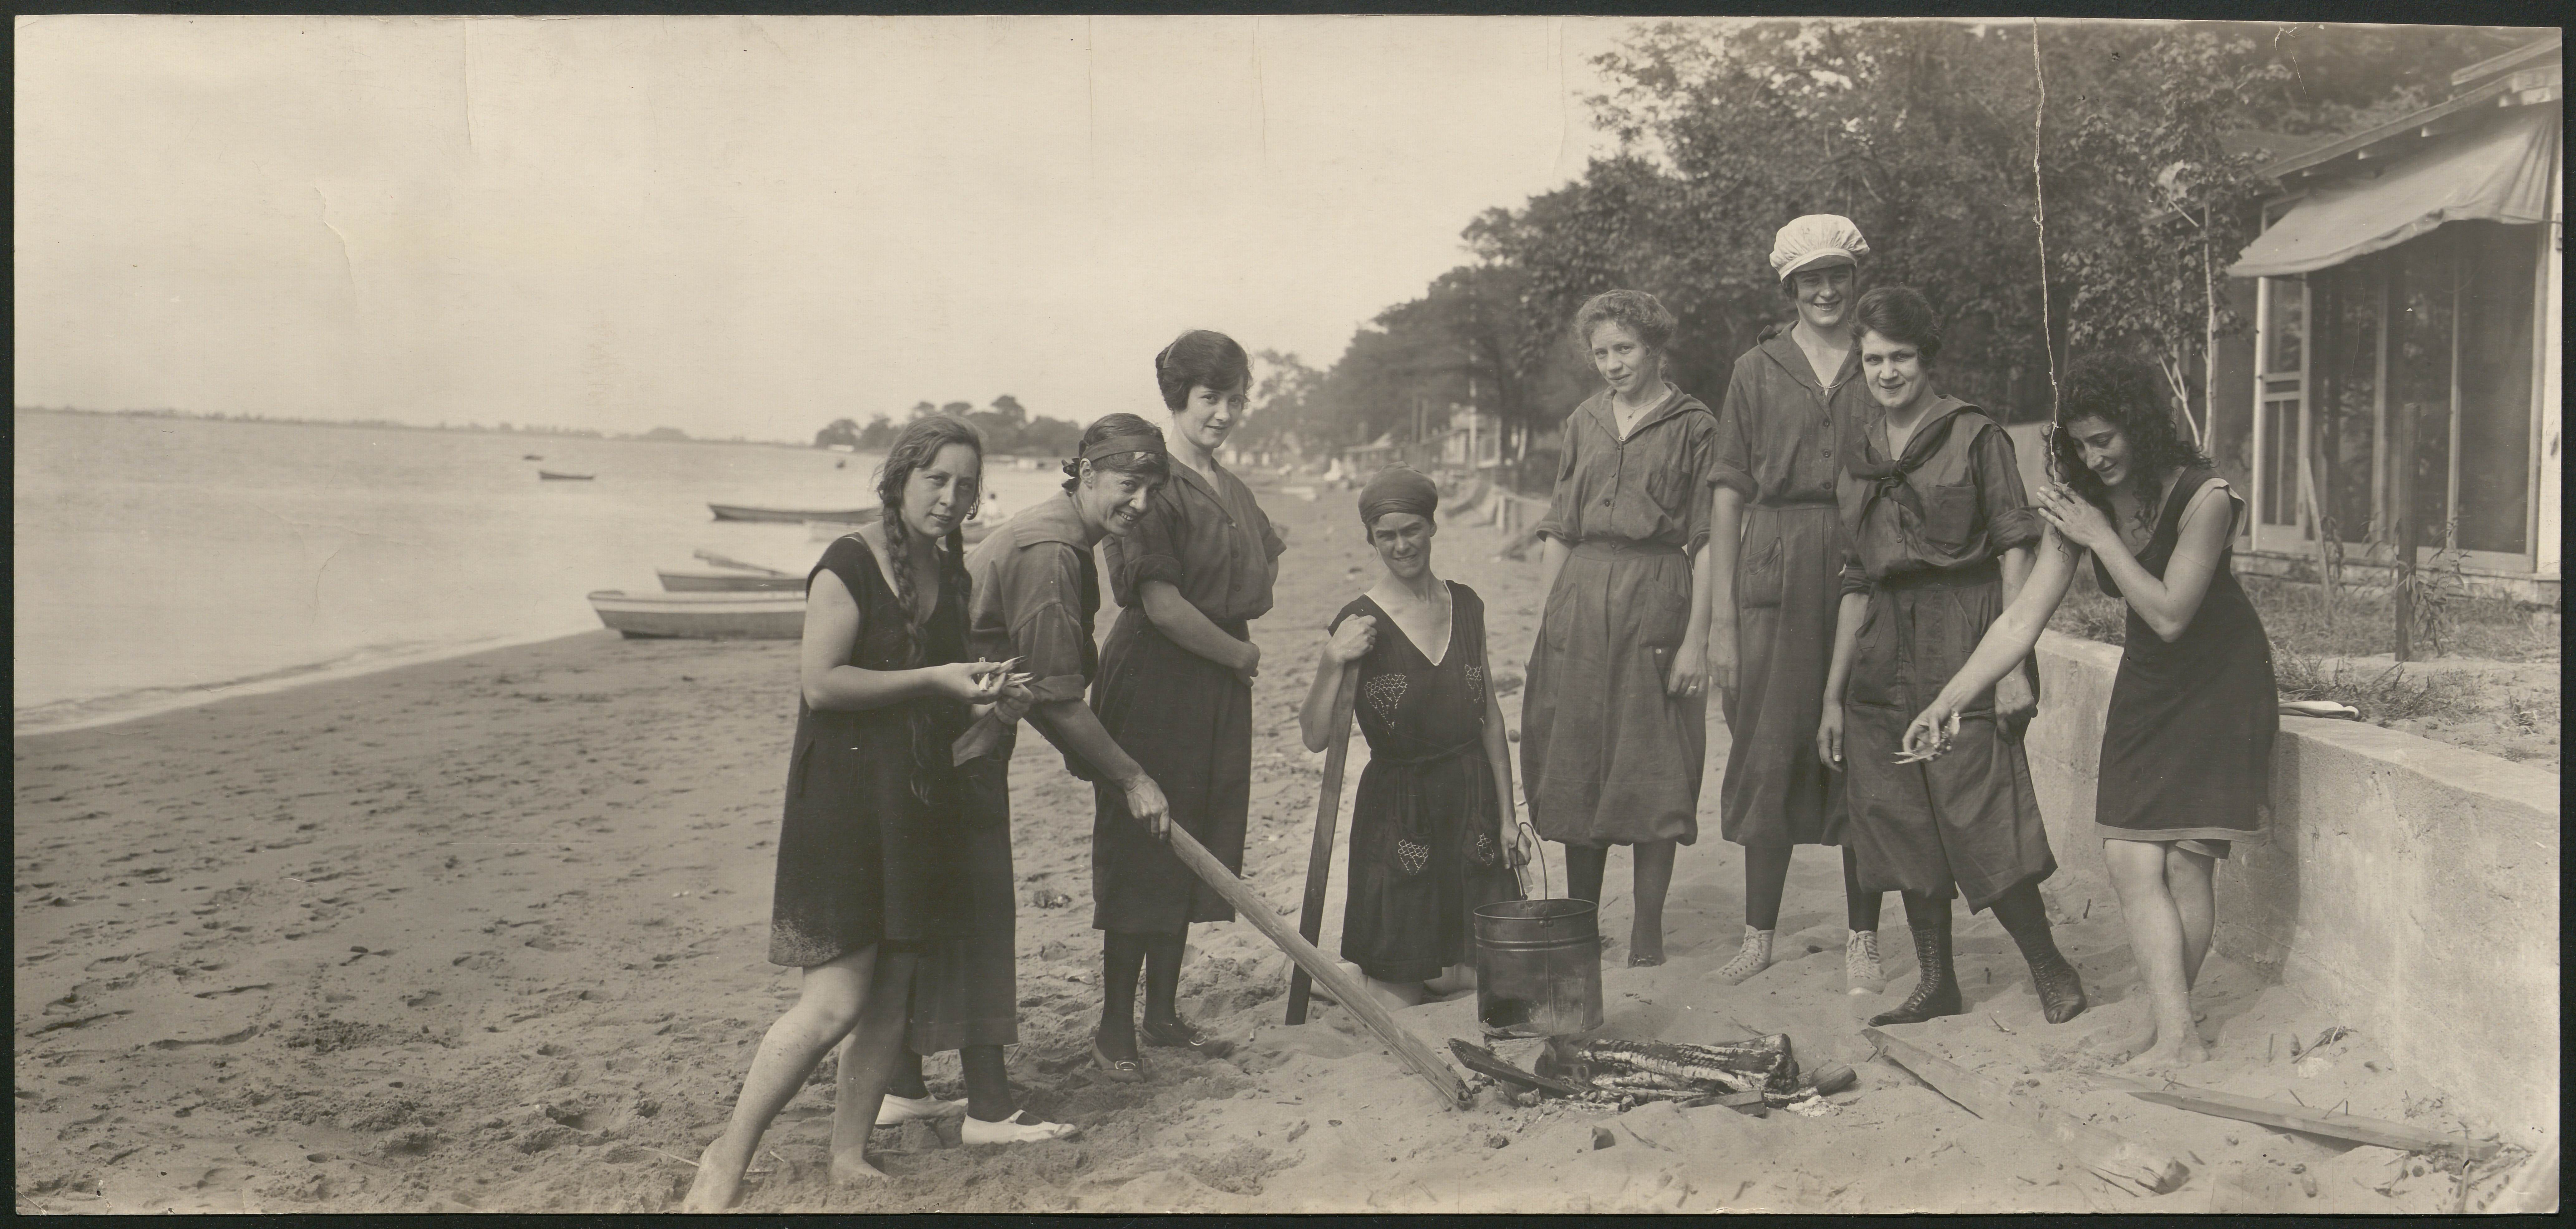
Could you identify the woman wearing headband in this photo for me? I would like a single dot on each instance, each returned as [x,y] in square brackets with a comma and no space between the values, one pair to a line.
[1940,539]
[1778,552]
[1035,593]
[1176,692]
[1614,726]
[1432,833]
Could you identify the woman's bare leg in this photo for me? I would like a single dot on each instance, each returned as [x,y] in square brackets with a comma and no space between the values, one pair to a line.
[868,1059]
[2187,877]
[1654,872]
[1452,980]
[2156,940]
[829,1004]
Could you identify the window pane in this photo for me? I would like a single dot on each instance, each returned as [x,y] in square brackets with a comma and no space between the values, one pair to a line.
[2421,272]
[2342,400]
[2286,331]
[2500,276]
[2281,462]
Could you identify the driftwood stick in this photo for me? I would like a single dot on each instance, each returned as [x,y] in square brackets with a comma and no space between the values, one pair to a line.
[1328,813]
[1263,917]
[2133,1169]
[2401,1136]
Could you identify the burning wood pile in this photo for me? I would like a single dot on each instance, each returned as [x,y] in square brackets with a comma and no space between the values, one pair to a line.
[1751,1076]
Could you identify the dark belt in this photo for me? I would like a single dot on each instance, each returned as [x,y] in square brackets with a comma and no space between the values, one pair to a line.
[1967,576]
[1624,547]
[1416,761]
[1796,505]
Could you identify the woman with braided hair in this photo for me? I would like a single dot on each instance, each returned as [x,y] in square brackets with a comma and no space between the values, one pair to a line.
[869,868]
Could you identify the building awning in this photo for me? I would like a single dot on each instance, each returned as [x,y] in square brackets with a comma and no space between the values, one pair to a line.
[2500,174]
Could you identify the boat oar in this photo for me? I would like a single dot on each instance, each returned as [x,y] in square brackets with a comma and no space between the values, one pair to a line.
[1408,1048]
[1328,813]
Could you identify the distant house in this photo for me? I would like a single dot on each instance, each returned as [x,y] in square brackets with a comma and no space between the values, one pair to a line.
[2410,272]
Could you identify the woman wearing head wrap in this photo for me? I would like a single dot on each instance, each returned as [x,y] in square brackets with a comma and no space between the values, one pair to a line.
[1432,833]
[1176,692]
[1035,592]
[1939,540]
[1778,555]
[1614,724]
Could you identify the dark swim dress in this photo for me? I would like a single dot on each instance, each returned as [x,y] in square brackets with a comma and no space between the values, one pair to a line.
[868,851]
[1425,846]
[2187,747]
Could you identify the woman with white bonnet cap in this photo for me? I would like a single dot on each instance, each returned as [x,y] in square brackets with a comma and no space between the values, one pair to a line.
[1776,557]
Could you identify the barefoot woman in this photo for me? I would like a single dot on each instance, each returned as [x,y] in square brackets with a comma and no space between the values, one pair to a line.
[1615,728]
[1940,538]
[2187,746]
[1432,834]
[869,864]
[1035,595]
[1777,579]
[1176,692]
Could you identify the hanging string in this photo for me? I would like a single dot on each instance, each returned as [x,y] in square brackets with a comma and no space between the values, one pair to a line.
[2039,203]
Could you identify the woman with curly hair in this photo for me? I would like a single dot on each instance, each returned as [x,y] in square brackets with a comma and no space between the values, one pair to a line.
[2187,746]
[869,864]
[1615,720]
[1940,536]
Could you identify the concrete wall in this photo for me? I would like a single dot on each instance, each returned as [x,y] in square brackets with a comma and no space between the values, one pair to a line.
[2409,885]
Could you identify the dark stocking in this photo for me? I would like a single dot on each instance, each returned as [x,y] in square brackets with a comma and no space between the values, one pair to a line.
[1766,880]
[906,1080]
[1584,866]
[1936,992]
[1163,975]
[988,1083]
[2025,918]
[1860,909]
[1122,956]
[1653,863]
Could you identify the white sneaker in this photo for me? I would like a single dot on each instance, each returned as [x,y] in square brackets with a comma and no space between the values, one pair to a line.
[1861,972]
[1020,1128]
[1752,958]
[898,1110]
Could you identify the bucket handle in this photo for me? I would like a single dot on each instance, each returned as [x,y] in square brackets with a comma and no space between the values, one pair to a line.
[1538,850]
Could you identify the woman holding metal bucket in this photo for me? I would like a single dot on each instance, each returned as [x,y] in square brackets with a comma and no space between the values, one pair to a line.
[1433,831]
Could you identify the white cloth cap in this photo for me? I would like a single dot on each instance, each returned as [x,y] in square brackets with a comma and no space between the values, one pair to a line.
[1805,241]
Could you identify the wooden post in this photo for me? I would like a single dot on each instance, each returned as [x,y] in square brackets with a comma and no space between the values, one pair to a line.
[1351,994]
[2401,488]
[1328,813]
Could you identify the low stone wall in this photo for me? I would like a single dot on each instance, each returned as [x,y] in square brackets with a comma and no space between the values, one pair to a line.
[2409,885]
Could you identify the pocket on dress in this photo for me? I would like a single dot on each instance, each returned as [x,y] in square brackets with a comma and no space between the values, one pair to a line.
[1950,514]
[798,762]
[1762,578]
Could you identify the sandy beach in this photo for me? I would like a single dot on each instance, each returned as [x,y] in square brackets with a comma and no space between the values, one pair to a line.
[487,934]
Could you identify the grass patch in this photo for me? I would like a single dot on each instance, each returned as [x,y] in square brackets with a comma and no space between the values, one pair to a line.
[2296,618]
[2384,696]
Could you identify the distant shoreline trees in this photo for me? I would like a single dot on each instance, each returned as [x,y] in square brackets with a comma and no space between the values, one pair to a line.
[1006,425]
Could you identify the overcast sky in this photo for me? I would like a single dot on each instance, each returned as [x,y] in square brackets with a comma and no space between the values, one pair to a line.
[743,225]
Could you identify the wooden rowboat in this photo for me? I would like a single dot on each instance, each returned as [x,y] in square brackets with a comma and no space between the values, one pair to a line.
[791,516]
[547,475]
[825,531]
[726,580]
[702,616]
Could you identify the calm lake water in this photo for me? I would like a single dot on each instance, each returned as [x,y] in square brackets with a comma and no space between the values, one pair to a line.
[162,562]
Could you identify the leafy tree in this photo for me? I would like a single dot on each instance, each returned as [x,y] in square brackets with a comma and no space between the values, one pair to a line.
[843,431]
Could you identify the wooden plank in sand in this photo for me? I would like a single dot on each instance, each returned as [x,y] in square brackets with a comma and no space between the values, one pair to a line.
[1328,813]
[1257,911]
[2132,1168]
[2385,1134]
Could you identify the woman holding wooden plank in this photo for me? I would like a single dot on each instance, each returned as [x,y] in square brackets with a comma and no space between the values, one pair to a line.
[1433,831]
[1939,540]
[1034,595]
[869,867]
[2187,746]
[1176,692]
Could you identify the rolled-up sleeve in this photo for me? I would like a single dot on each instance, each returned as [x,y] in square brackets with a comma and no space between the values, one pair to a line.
[1041,592]
[1564,516]
[1855,576]
[2010,520]
[1730,461]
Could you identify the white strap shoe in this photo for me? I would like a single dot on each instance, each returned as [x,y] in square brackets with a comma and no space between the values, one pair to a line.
[899,1110]
[1020,1128]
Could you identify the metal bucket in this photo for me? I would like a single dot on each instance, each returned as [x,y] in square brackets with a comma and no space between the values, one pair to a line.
[1538,966]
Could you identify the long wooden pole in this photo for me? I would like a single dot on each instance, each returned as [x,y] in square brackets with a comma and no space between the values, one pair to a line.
[1328,814]
[1257,911]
